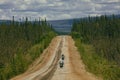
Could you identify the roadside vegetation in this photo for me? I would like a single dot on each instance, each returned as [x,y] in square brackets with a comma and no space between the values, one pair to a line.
[20,44]
[98,40]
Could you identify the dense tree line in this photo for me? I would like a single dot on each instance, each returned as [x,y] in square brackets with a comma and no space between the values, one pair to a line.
[98,40]
[103,33]
[16,45]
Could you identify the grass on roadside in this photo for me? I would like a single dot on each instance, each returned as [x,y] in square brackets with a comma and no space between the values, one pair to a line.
[96,64]
[21,61]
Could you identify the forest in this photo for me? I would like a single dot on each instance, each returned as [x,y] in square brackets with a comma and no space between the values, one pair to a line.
[98,40]
[21,43]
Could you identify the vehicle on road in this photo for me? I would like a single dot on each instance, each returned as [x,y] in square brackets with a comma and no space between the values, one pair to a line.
[62,56]
[61,63]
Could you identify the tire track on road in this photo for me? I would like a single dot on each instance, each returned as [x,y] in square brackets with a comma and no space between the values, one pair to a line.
[47,75]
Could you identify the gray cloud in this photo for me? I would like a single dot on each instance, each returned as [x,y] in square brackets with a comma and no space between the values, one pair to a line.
[57,9]
[6,5]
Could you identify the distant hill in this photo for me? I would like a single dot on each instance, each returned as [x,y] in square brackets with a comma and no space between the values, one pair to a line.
[63,26]
[5,21]
[66,25]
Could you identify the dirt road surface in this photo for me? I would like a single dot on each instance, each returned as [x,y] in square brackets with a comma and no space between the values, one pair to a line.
[46,67]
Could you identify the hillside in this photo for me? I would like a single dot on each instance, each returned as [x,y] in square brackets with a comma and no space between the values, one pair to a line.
[62,25]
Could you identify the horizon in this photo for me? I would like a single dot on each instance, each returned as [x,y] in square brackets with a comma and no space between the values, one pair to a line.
[29,18]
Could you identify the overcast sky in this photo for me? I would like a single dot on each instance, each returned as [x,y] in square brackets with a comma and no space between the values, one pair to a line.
[57,9]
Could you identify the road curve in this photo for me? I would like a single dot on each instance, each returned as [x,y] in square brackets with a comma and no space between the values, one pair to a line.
[47,66]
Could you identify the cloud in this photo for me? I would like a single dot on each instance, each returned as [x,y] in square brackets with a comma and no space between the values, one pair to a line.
[6,5]
[57,9]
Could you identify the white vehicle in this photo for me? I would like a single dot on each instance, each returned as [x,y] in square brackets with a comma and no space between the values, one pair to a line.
[61,63]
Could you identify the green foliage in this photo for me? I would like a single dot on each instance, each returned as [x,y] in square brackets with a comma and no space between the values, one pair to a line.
[98,41]
[20,44]
[103,33]
[97,64]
